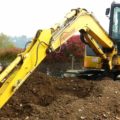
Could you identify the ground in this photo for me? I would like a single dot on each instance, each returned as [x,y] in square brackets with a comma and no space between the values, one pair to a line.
[44,97]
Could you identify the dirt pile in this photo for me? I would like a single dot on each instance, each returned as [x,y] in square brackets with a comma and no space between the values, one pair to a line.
[48,98]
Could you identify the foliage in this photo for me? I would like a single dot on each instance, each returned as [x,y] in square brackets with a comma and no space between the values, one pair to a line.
[73,47]
[7,55]
[7,50]
[5,41]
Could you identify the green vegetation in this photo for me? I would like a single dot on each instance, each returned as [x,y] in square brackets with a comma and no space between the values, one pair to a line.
[8,52]
[5,41]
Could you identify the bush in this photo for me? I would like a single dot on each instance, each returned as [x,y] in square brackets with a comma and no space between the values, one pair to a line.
[7,55]
[73,47]
[5,41]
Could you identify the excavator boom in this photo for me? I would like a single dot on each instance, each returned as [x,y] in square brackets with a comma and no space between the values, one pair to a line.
[49,40]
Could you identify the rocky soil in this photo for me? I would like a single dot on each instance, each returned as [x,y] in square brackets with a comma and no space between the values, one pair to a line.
[50,98]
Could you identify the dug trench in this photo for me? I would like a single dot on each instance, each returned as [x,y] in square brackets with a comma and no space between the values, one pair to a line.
[44,97]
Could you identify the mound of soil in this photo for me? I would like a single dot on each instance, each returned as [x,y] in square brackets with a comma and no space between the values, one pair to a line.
[49,98]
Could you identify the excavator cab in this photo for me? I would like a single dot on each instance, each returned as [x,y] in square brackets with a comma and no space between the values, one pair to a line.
[92,60]
[114,24]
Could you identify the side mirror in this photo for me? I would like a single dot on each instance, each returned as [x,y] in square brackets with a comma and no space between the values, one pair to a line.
[107,11]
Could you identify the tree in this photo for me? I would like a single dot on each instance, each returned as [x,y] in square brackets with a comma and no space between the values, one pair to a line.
[5,41]
[73,46]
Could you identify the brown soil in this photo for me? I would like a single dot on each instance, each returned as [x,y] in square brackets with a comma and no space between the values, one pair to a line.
[49,98]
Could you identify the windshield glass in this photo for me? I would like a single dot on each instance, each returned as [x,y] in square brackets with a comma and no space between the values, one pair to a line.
[116,24]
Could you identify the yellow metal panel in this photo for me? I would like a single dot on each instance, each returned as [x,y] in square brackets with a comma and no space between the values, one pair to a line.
[89,24]
[9,68]
[92,62]
[116,61]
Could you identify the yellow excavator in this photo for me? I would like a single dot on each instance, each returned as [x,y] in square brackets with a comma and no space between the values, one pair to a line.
[106,57]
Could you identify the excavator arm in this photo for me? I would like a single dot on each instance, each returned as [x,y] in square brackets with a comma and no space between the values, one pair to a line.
[49,40]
